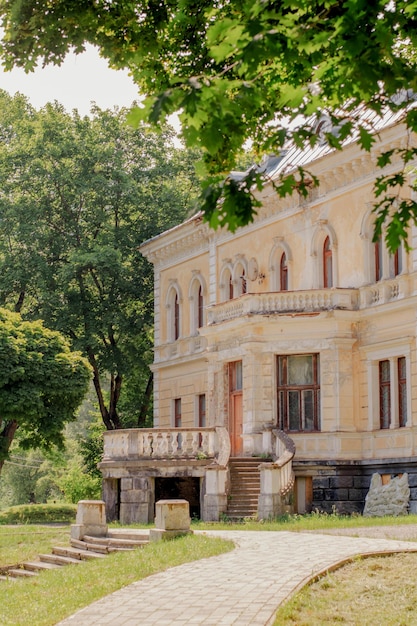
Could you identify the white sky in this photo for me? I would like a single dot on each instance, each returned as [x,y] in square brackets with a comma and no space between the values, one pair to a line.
[80,80]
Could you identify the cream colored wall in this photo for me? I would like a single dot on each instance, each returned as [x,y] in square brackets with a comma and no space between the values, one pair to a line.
[347,341]
[181,274]
[185,381]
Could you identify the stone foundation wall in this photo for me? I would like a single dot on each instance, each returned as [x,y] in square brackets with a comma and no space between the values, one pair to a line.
[343,486]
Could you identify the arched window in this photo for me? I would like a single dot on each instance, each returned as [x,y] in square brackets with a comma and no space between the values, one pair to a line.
[240,279]
[200,307]
[280,260]
[173,305]
[176,317]
[226,283]
[324,256]
[378,259]
[283,273]
[327,264]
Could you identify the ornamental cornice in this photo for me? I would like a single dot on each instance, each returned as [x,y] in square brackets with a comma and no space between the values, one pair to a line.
[184,241]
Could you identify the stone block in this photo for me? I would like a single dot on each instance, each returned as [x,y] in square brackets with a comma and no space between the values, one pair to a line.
[338,482]
[361,482]
[172,515]
[90,519]
[134,513]
[321,482]
[357,494]
[126,484]
[134,495]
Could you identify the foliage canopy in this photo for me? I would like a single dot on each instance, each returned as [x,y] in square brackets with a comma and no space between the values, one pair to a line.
[42,383]
[242,70]
[78,195]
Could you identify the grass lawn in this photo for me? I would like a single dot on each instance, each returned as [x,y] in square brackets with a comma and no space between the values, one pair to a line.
[367,591]
[376,591]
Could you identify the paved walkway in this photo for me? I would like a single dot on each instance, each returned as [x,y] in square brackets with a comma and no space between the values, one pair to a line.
[242,587]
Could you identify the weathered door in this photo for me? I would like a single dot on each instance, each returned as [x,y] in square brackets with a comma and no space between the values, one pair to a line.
[235,408]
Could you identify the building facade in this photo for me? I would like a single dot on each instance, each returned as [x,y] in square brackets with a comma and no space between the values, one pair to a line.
[297,332]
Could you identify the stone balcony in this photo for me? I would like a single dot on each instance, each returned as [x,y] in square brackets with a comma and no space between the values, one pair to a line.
[304,301]
[142,444]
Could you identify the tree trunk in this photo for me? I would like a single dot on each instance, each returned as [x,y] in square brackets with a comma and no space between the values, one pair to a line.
[146,401]
[6,438]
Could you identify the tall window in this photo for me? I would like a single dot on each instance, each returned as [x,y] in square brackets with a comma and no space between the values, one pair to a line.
[378,259]
[200,307]
[384,394]
[202,410]
[392,392]
[176,317]
[395,263]
[283,273]
[177,413]
[299,392]
[402,391]
[235,374]
[327,264]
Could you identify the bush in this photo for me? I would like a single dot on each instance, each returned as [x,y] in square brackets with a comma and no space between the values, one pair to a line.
[39,514]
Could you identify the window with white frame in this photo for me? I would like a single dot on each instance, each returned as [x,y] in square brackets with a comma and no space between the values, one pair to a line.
[280,265]
[299,392]
[380,263]
[392,378]
[173,305]
[197,303]
[389,389]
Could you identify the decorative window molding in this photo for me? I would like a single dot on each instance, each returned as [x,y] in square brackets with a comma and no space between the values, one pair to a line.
[197,295]
[279,249]
[173,304]
[380,264]
[324,235]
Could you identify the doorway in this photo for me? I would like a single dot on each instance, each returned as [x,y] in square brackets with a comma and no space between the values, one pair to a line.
[235,408]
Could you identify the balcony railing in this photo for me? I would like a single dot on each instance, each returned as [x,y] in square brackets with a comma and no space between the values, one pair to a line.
[307,301]
[165,444]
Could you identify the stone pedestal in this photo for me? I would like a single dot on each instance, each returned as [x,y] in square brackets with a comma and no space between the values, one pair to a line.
[215,497]
[270,501]
[172,519]
[90,520]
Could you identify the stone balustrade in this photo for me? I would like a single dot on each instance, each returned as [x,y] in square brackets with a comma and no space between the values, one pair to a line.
[384,291]
[308,301]
[163,443]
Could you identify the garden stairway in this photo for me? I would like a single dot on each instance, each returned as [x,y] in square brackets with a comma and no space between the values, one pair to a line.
[245,485]
[79,551]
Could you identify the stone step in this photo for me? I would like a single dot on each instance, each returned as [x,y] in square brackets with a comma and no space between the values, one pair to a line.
[117,542]
[77,553]
[59,560]
[139,534]
[38,566]
[87,545]
[19,572]
[7,578]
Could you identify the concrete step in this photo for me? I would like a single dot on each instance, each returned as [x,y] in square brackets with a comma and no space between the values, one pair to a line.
[38,566]
[59,560]
[86,545]
[19,572]
[76,553]
[139,534]
[118,542]
[6,578]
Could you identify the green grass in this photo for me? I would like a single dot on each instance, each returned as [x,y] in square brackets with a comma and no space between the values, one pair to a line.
[23,543]
[370,592]
[53,595]
[313,521]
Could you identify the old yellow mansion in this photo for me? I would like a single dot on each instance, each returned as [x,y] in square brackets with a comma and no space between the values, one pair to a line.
[285,355]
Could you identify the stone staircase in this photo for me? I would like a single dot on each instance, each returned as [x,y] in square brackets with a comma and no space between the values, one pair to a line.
[89,548]
[244,487]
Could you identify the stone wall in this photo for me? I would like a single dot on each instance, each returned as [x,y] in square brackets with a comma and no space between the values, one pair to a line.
[344,486]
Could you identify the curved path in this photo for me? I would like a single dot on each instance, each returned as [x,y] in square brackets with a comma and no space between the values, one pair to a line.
[242,587]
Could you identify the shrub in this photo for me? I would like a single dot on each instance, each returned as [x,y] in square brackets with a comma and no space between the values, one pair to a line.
[39,514]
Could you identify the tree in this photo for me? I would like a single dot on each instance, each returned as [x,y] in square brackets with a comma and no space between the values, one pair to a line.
[242,70]
[77,198]
[41,383]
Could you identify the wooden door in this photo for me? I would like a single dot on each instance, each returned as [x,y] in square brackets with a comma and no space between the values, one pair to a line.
[236,407]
